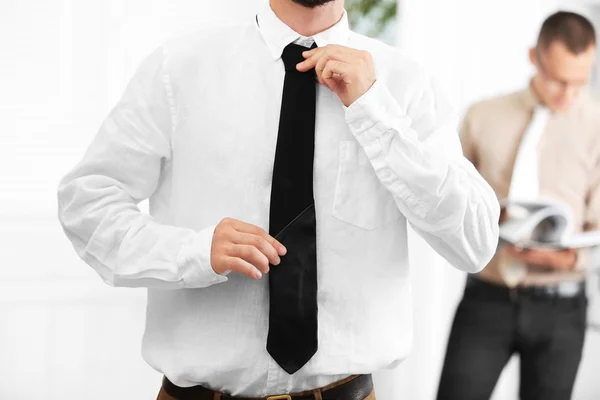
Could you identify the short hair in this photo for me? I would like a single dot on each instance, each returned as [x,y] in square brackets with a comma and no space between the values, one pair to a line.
[573,30]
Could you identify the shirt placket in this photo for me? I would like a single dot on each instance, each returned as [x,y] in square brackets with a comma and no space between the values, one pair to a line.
[277,379]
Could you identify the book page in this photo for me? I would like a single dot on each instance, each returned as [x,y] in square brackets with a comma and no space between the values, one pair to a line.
[542,224]
[580,240]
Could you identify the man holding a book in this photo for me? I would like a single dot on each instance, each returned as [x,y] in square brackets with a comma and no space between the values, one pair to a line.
[540,143]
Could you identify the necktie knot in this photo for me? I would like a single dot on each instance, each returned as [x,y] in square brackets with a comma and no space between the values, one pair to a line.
[292,56]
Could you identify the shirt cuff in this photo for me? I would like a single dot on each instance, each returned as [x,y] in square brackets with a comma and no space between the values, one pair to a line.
[194,261]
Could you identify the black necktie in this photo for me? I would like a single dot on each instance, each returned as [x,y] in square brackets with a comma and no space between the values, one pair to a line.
[292,339]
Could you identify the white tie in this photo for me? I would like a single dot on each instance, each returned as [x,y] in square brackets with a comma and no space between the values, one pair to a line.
[524,184]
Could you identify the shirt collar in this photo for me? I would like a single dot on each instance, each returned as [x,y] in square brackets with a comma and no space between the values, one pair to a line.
[277,35]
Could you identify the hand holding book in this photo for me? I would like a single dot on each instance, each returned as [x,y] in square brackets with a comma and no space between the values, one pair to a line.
[545,258]
[543,225]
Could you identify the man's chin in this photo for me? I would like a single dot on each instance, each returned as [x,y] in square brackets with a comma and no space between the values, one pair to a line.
[562,106]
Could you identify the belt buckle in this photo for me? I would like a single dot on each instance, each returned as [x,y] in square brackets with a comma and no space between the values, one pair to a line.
[280,397]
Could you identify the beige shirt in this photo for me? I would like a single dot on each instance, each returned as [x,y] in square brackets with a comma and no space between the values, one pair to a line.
[569,163]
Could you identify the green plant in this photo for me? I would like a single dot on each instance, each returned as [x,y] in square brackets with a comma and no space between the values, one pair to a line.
[371,17]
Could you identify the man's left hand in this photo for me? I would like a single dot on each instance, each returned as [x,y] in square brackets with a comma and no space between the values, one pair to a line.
[350,73]
[555,259]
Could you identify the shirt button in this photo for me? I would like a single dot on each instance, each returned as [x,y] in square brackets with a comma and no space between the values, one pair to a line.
[387,174]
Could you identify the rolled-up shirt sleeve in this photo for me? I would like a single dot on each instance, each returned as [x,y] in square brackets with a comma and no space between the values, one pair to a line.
[98,199]
[417,156]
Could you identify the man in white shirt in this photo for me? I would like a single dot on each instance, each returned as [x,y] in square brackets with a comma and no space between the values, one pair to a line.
[220,129]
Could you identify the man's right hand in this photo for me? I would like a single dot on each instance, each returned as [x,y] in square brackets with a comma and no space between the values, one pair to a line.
[244,248]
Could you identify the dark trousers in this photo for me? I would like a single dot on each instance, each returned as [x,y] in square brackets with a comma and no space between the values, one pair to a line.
[492,323]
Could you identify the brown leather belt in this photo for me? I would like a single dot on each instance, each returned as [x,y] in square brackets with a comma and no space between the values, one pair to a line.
[356,387]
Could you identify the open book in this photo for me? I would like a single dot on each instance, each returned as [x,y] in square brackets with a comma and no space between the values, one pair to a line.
[543,223]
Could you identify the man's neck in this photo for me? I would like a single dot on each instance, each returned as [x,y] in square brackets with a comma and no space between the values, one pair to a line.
[308,21]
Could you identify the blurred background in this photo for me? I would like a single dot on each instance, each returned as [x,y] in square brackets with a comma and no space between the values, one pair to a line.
[64,64]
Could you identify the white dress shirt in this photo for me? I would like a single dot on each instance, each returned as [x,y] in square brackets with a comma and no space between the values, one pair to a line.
[525,185]
[196,132]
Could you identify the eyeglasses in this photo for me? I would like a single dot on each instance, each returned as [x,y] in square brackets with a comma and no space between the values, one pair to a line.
[554,82]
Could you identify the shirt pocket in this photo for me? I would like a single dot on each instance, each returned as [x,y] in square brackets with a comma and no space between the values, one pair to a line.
[360,199]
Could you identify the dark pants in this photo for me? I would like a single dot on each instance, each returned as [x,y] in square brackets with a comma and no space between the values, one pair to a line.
[491,324]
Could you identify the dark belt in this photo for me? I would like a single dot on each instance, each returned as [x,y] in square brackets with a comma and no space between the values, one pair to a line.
[356,387]
[563,290]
